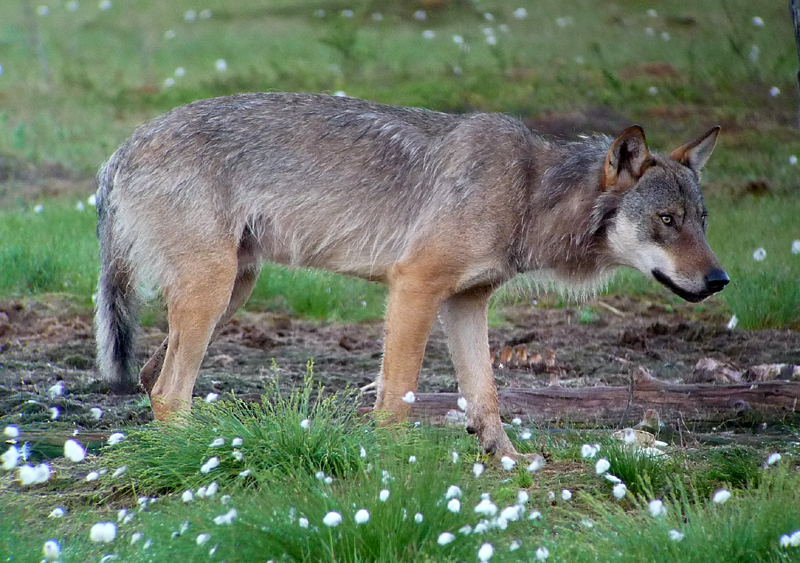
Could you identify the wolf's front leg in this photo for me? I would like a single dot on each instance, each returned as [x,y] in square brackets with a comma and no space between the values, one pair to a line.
[464,317]
[414,299]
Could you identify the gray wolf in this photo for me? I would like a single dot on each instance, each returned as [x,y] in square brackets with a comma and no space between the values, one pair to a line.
[443,209]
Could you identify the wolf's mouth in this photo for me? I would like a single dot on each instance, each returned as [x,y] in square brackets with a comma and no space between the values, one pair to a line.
[677,290]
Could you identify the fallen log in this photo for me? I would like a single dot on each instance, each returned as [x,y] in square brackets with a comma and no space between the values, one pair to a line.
[696,405]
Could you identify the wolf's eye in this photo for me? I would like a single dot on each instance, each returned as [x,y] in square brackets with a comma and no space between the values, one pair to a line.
[667,219]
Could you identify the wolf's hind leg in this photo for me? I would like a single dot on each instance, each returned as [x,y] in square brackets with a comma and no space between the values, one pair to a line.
[196,300]
[464,317]
[242,289]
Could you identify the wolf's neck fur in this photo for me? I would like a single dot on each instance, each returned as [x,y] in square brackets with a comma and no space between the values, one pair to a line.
[563,232]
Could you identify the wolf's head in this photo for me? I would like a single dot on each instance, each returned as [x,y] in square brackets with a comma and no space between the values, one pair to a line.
[660,226]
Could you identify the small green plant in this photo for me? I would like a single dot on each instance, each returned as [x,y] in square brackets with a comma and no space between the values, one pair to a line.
[643,474]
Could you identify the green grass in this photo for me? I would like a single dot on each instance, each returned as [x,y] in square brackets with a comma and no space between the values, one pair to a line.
[283,487]
[101,73]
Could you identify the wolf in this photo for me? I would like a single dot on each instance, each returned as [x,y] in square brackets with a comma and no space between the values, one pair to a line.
[441,208]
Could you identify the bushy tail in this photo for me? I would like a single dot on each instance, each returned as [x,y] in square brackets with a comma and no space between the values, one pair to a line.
[117,303]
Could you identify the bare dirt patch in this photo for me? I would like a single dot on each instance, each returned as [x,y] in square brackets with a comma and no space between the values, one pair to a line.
[42,344]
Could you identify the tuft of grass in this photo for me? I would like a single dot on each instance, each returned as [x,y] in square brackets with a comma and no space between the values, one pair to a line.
[642,474]
[737,466]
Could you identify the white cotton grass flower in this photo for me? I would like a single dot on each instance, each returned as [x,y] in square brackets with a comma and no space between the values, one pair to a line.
[665,35]
[210,465]
[96,412]
[29,475]
[420,15]
[362,516]
[793,161]
[190,15]
[516,421]
[10,458]
[652,13]
[237,442]
[428,34]
[210,491]
[43,11]
[588,451]
[657,508]
[104,5]
[205,15]
[774,92]
[73,5]
[478,469]
[445,538]
[523,497]
[462,404]
[759,254]
[305,424]
[55,412]
[733,322]
[773,459]
[347,14]
[458,39]
[508,463]
[332,519]
[515,545]
[120,471]
[486,508]
[340,94]
[566,494]
[526,435]
[409,397]
[237,455]
[795,243]
[56,513]
[757,21]
[169,83]
[202,539]
[51,550]
[454,457]
[602,466]
[453,491]
[92,476]
[103,532]
[465,530]
[73,451]
[551,495]
[328,480]
[721,496]
[11,431]
[319,475]
[675,535]
[536,464]
[217,442]
[383,496]
[230,516]
[412,459]
[619,491]
[535,515]
[454,505]
[629,436]
[520,13]
[115,438]
[302,522]
[211,397]
[138,536]
[542,553]
[57,389]
[38,208]
[418,518]
[245,473]
[485,552]
[512,513]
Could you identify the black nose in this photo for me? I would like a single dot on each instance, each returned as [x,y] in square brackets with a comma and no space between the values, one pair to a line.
[716,280]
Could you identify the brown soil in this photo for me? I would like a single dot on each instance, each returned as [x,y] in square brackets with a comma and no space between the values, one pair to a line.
[43,343]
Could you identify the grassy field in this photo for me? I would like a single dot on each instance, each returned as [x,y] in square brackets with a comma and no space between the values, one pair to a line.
[78,78]
[298,459]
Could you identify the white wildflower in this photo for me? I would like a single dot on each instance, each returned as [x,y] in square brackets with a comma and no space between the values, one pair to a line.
[92,476]
[652,13]
[190,15]
[619,491]
[477,469]
[774,92]
[383,496]
[412,459]
[115,438]
[58,389]
[793,161]
[515,545]
[73,451]
[675,535]
[217,442]
[486,508]
[773,459]
[458,40]
[104,5]
[602,466]
[305,424]
[453,491]
[409,397]
[96,412]
[362,453]
[796,243]
[522,497]
[51,550]
[653,90]
[428,34]
[210,465]
[228,517]
[203,539]
[516,421]
[136,537]
[237,442]
[302,522]
[120,471]
[536,464]
[721,496]
[512,513]
[665,36]
[332,519]
[103,532]
[245,473]
[237,455]
[485,552]
[56,513]
[43,11]
[535,515]
[11,431]
[508,463]
[445,538]
[340,94]
[454,456]
[520,13]
[588,451]
[454,505]
[758,22]
[566,494]
[462,403]
[526,435]
[211,397]
[418,518]
[759,254]
[657,508]
[10,458]
[542,554]
[38,208]
[362,516]
[211,490]
[55,412]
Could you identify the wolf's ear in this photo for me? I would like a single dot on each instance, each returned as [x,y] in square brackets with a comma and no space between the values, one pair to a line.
[695,153]
[627,160]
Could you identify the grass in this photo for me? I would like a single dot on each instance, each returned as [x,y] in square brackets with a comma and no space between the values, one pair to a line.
[283,487]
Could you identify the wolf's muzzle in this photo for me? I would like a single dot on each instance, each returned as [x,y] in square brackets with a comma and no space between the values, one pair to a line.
[716,280]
